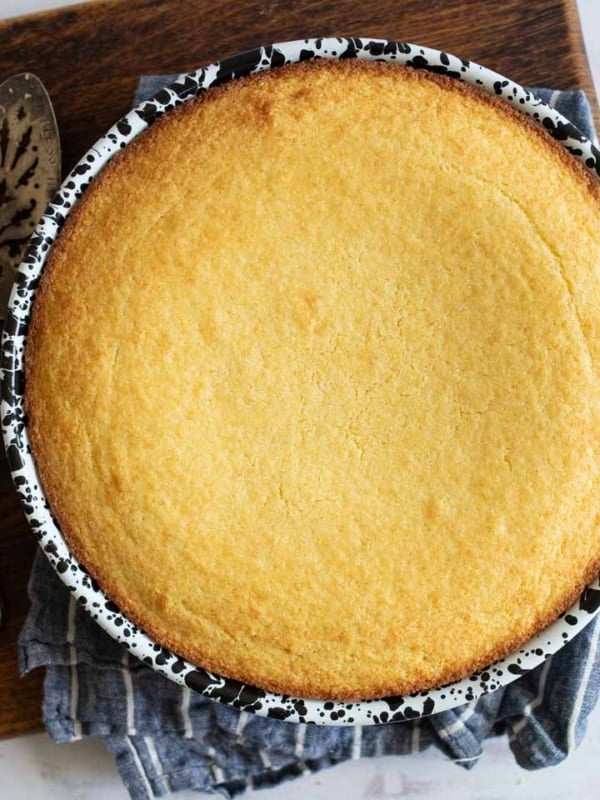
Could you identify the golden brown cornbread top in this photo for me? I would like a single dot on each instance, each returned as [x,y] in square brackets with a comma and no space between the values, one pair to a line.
[312,380]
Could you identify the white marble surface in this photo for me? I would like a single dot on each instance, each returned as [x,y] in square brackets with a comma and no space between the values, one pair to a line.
[33,768]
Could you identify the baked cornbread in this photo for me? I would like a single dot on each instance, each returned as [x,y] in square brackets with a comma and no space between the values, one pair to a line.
[312,380]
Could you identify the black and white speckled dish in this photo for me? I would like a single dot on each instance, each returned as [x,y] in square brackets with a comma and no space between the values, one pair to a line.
[14,428]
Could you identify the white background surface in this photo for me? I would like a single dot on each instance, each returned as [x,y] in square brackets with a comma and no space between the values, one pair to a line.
[34,768]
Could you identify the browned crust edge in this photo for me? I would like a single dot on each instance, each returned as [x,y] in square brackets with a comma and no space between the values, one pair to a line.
[293,686]
[312,690]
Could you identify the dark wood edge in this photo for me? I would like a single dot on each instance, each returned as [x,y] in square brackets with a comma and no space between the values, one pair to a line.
[94,6]
[577,43]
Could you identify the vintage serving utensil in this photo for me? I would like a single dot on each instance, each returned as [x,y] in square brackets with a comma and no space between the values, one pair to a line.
[29,168]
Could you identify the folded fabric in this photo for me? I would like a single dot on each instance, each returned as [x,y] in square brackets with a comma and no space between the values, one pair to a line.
[166,738]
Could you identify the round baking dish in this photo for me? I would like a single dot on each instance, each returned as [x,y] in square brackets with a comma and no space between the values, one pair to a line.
[14,423]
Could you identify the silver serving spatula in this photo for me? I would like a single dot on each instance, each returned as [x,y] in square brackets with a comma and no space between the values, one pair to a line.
[29,174]
[29,169]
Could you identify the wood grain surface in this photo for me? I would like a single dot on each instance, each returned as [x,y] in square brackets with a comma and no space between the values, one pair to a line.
[90,58]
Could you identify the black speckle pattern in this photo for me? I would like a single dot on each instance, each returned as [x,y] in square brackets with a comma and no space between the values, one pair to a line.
[590,600]
[43,524]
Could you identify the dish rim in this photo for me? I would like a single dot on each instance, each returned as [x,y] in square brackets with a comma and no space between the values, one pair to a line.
[14,424]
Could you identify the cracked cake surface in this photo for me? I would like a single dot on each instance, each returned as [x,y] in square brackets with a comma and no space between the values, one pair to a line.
[312,380]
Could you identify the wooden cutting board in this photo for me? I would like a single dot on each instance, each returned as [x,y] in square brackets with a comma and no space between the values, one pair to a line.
[90,56]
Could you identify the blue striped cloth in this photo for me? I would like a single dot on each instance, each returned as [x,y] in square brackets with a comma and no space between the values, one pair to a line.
[166,738]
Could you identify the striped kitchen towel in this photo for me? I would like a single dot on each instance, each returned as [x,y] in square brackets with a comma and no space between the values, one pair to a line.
[166,738]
